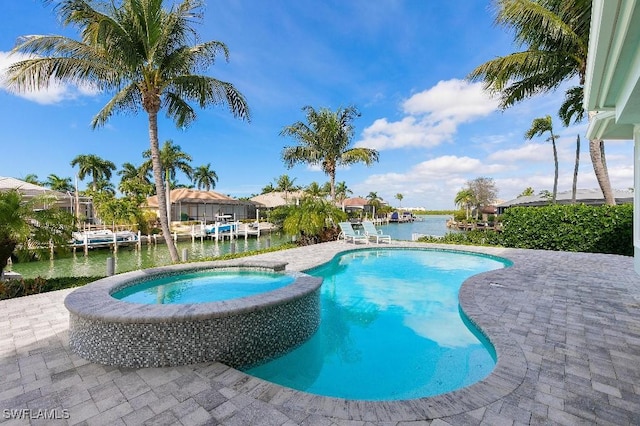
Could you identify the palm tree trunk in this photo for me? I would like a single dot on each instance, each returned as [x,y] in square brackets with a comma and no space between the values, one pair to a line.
[332,179]
[574,188]
[599,168]
[596,151]
[555,176]
[157,177]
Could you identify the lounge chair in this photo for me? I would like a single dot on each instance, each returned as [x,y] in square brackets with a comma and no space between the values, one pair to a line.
[371,232]
[348,233]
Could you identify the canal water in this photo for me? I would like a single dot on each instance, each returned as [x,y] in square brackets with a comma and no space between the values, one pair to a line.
[130,258]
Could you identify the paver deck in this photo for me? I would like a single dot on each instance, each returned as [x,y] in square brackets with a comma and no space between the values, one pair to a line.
[567,327]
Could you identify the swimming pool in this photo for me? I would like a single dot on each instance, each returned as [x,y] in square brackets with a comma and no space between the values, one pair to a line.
[203,286]
[390,328]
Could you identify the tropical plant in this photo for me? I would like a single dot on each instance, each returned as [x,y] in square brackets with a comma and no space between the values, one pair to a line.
[555,34]
[135,182]
[314,189]
[313,221]
[172,159]
[58,183]
[324,140]
[267,188]
[540,126]
[204,177]
[117,210]
[32,179]
[141,52]
[399,197]
[527,192]
[23,225]
[342,192]
[545,194]
[375,201]
[285,184]
[464,199]
[94,166]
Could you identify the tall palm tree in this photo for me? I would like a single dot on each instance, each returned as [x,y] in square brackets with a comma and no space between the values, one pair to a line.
[172,159]
[134,181]
[94,166]
[58,183]
[141,52]
[375,201]
[285,184]
[399,197]
[464,198]
[555,34]
[539,126]
[204,177]
[324,140]
[314,189]
[342,191]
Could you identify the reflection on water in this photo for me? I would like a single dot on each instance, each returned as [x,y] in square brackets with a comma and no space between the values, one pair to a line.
[390,329]
[131,258]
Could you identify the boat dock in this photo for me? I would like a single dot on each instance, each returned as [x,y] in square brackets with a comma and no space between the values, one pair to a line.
[106,238]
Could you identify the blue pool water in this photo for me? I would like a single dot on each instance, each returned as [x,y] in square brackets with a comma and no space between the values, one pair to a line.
[391,328]
[205,286]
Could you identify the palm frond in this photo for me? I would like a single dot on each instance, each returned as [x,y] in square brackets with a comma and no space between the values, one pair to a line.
[127,99]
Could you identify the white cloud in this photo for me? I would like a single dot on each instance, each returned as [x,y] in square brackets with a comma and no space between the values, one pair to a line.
[528,152]
[432,116]
[54,93]
[432,182]
[452,99]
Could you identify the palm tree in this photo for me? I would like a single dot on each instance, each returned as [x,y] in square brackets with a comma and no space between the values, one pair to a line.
[314,189]
[267,188]
[527,192]
[464,198]
[342,192]
[134,181]
[324,140]
[94,166]
[375,201]
[32,179]
[172,159]
[285,184]
[204,177]
[141,52]
[58,183]
[556,35]
[399,197]
[574,187]
[539,127]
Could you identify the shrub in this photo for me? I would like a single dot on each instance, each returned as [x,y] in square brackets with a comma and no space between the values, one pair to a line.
[25,287]
[590,229]
[594,229]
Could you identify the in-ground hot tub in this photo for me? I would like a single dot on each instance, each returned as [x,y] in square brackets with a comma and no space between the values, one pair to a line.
[238,332]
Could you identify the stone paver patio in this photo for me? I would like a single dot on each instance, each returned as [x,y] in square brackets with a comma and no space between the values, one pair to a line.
[566,327]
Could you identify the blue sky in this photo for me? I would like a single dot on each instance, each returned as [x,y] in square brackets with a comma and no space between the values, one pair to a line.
[401,63]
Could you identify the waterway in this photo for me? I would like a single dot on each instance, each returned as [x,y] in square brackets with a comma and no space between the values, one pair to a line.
[130,258]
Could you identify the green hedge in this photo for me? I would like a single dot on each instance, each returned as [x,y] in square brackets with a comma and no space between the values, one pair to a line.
[590,229]
[25,287]
[593,229]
